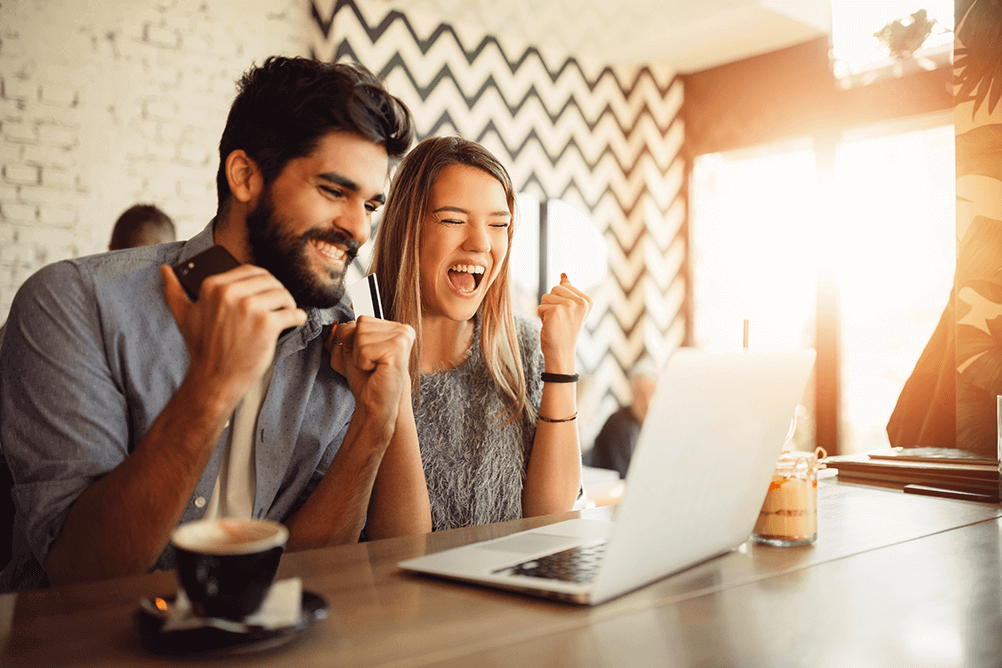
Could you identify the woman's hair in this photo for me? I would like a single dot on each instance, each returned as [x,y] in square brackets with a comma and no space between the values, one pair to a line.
[396,260]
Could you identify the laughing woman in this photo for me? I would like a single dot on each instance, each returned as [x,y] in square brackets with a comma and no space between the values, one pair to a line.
[494,397]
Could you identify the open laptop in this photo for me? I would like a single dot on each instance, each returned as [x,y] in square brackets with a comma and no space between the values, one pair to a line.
[699,474]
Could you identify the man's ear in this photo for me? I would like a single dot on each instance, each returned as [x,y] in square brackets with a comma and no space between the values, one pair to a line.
[243,176]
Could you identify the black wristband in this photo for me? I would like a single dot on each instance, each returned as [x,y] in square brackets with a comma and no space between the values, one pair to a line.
[559,378]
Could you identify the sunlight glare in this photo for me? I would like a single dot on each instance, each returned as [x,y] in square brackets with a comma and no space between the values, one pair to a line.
[854,23]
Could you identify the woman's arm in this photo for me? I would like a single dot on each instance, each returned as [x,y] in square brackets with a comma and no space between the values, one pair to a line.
[553,478]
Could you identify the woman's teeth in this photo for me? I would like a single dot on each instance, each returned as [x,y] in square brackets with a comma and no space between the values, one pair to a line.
[467,269]
[466,277]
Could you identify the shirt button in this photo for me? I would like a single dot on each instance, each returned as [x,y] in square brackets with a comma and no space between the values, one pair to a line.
[199,501]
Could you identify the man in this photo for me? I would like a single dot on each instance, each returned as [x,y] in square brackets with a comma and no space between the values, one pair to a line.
[126,408]
[141,225]
[614,445]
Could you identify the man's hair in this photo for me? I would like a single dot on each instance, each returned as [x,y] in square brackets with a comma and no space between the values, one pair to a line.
[284,107]
[141,225]
[396,260]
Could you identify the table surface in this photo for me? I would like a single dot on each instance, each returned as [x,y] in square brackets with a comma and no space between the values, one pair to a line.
[893,580]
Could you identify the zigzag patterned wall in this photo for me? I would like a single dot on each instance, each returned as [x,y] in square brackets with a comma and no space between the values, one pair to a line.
[604,139]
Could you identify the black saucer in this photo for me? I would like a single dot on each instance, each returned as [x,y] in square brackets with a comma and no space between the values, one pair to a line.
[210,639]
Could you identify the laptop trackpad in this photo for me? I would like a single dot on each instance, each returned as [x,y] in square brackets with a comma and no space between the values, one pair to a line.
[529,543]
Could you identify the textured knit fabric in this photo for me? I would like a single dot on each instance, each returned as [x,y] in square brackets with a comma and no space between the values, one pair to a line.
[474,463]
[90,358]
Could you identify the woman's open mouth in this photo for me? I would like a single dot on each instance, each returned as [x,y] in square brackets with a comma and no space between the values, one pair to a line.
[466,277]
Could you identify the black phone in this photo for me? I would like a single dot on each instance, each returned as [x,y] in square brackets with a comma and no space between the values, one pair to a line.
[192,272]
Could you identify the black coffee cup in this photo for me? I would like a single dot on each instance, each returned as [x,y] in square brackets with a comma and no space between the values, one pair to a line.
[226,566]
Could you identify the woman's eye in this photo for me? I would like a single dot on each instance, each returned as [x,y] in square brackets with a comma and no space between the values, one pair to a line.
[371,208]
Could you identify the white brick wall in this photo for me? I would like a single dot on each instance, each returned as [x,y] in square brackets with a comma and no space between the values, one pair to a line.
[107,103]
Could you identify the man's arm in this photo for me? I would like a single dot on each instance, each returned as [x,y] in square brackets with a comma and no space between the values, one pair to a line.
[400,504]
[120,524]
[374,356]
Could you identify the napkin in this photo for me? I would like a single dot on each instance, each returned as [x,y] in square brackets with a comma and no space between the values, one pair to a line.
[282,607]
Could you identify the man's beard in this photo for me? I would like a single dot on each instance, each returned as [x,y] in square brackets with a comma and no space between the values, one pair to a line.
[286,256]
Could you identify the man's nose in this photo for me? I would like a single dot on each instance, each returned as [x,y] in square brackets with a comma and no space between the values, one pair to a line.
[354,220]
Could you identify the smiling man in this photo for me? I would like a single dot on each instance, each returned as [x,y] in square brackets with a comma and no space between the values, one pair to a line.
[127,408]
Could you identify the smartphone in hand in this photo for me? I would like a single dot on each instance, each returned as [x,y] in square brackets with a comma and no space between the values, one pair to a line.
[192,272]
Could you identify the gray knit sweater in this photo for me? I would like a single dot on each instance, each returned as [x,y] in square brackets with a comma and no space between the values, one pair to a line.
[474,464]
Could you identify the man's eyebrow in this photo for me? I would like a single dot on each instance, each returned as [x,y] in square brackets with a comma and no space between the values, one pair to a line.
[501,213]
[348,184]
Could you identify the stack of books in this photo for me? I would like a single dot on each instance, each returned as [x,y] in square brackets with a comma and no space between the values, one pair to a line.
[946,472]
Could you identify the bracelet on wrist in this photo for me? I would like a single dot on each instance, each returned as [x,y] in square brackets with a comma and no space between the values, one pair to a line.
[546,419]
[559,377]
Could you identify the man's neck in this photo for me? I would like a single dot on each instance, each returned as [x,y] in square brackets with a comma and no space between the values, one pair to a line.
[231,233]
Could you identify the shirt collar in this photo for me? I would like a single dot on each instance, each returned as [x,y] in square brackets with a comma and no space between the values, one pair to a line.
[316,319]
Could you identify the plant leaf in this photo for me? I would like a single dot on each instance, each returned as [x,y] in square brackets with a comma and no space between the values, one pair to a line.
[969,83]
[987,288]
[960,9]
[996,93]
[977,252]
[979,151]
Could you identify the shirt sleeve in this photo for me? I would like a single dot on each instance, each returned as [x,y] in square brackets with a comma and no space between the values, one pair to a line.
[62,416]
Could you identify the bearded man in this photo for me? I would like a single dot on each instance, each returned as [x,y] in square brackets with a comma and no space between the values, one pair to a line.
[127,408]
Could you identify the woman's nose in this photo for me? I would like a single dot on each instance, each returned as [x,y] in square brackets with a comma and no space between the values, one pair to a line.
[477,239]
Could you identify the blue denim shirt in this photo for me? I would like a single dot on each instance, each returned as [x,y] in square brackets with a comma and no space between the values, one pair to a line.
[90,357]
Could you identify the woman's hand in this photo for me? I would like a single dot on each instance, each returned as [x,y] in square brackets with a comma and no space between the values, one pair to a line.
[563,310]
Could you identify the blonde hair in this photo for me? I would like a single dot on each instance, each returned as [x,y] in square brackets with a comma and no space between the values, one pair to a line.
[396,261]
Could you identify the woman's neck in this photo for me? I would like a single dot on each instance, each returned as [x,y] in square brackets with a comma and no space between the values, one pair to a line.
[445,343]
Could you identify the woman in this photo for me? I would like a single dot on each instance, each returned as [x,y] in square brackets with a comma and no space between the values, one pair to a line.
[494,398]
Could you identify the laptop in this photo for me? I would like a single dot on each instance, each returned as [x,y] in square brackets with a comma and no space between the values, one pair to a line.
[698,476]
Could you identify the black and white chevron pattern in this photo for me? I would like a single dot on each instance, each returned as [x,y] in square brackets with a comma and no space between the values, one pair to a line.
[604,139]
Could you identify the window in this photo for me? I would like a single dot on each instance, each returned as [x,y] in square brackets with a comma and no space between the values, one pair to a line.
[876,213]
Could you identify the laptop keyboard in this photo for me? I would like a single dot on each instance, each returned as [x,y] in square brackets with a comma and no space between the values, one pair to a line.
[578,564]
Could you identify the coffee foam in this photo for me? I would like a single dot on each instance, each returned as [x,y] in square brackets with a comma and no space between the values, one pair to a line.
[230,536]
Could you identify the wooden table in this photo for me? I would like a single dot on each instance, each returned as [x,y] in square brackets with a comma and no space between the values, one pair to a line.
[893,580]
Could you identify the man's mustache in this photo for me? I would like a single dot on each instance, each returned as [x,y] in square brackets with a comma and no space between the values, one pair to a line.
[335,238]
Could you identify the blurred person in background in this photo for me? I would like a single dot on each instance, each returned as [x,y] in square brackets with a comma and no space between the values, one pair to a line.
[614,445]
[142,225]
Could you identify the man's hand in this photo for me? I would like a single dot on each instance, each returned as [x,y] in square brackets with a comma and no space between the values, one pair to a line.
[374,355]
[232,329]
